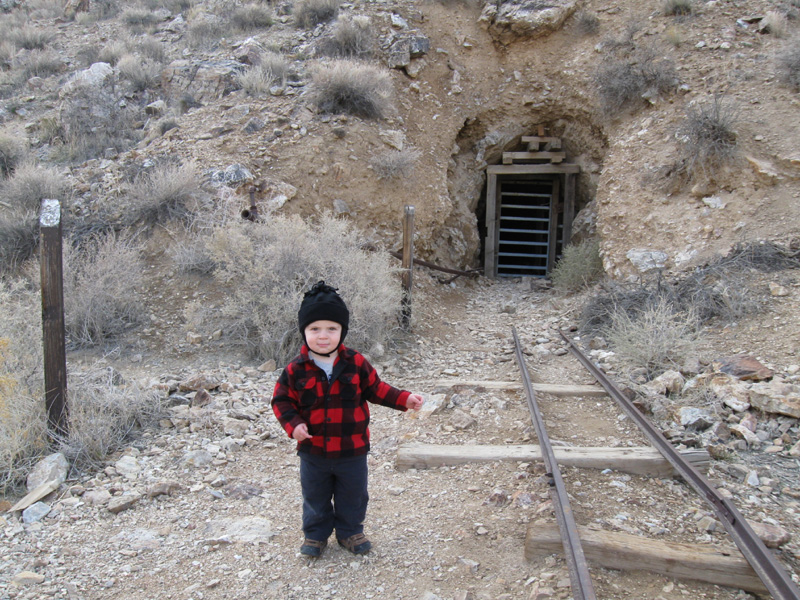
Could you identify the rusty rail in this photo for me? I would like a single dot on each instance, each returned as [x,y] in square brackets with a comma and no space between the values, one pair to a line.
[764,563]
[581,581]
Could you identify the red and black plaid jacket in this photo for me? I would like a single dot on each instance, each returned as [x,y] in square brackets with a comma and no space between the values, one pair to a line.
[336,413]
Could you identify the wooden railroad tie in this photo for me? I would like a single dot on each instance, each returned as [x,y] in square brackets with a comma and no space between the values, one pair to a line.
[625,552]
[639,460]
[554,389]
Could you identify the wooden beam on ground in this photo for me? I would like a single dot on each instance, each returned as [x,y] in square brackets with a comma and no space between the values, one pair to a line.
[624,552]
[36,494]
[554,157]
[554,389]
[639,460]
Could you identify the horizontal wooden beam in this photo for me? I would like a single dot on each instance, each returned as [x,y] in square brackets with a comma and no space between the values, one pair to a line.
[625,552]
[554,389]
[637,460]
[543,169]
[533,142]
[554,157]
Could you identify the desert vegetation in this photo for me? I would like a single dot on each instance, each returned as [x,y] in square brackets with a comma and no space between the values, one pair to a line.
[579,266]
[353,88]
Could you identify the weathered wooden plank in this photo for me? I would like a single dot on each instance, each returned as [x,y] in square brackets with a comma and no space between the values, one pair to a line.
[624,552]
[554,389]
[545,168]
[534,141]
[555,157]
[637,460]
[35,495]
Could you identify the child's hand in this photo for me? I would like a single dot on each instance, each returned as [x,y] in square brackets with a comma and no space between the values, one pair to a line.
[300,433]
[415,401]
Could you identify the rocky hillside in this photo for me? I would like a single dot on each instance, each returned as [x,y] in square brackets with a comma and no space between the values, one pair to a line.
[458,84]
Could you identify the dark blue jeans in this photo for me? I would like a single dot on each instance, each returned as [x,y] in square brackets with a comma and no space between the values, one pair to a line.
[334,495]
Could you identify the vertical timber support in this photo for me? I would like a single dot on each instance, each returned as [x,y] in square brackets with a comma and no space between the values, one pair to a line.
[552,238]
[490,249]
[569,208]
[408,264]
[55,355]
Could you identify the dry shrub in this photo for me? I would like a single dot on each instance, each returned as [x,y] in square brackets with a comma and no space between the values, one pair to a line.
[12,153]
[105,413]
[775,23]
[92,120]
[30,38]
[393,164]
[192,257]
[38,63]
[678,8]
[633,79]
[165,193]
[139,18]
[205,33]
[587,22]
[30,184]
[23,424]
[310,13]
[112,52]
[102,278]
[655,338]
[352,37]
[709,137]
[19,237]
[44,9]
[152,49]
[269,265]
[349,87]
[579,267]
[789,64]
[142,74]
[258,79]
[251,16]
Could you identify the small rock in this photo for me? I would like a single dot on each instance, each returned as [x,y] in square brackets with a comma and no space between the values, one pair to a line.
[124,502]
[25,578]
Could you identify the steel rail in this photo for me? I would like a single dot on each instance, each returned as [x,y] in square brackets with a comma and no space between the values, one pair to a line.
[764,563]
[581,581]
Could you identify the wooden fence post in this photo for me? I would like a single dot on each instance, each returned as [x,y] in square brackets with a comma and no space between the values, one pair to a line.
[55,354]
[408,263]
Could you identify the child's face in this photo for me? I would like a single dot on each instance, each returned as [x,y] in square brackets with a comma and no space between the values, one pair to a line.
[323,337]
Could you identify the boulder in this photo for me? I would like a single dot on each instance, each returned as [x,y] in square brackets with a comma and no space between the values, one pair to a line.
[509,20]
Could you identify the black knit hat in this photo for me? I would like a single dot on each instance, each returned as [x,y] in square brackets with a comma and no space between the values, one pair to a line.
[322,303]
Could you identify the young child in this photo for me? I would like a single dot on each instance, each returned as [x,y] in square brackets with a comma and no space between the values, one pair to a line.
[321,400]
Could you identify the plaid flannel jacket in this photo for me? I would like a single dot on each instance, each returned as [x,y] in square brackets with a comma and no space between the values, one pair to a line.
[336,413]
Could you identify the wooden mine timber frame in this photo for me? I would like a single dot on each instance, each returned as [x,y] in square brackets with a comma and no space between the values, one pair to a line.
[540,148]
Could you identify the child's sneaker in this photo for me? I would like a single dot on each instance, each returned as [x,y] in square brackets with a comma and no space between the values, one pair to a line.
[312,548]
[357,544]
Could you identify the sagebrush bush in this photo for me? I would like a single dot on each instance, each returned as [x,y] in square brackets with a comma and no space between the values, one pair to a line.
[394,164]
[352,37]
[142,74]
[165,193]
[655,338]
[105,414]
[30,38]
[112,52]
[587,22]
[775,23]
[39,63]
[789,64]
[678,8]
[258,79]
[12,153]
[251,16]
[138,18]
[310,13]
[709,137]
[205,34]
[267,266]
[630,81]
[92,120]
[31,183]
[23,423]
[353,88]
[579,267]
[19,237]
[102,279]
[151,48]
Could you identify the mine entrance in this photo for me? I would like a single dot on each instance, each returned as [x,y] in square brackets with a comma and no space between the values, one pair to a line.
[530,203]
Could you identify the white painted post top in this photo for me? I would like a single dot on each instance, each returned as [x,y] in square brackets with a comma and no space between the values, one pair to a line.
[51,213]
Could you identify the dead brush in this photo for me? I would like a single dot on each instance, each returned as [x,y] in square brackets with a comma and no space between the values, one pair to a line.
[788,62]
[102,279]
[579,267]
[12,153]
[168,192]
[352,37]
[23,423]
[310,13]
[260,313]
[30,184]
[19,238]
[105,413]
[395,164]
[353,88]
[709,139]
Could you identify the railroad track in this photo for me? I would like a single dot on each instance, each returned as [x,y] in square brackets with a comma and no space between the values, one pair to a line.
[752,567]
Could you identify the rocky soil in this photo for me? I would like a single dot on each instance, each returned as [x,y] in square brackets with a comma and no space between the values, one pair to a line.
[208,505]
